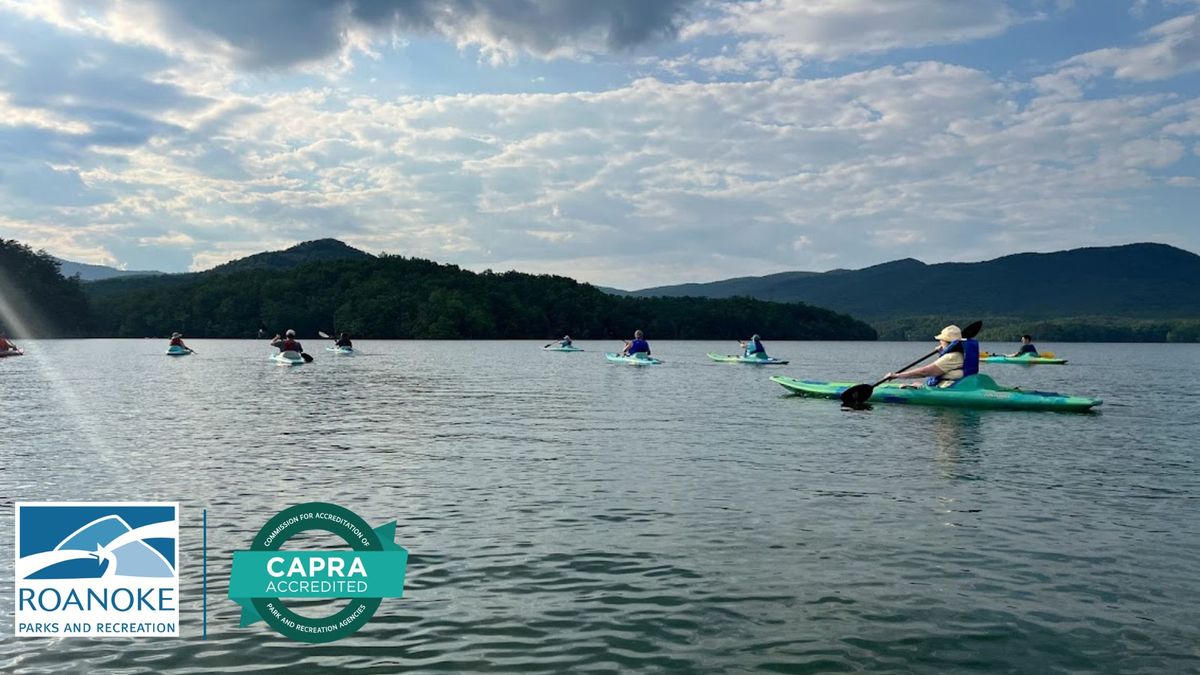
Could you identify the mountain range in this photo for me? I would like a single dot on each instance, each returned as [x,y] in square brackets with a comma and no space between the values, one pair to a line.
[1135,281]
[1134,292]
[89,272]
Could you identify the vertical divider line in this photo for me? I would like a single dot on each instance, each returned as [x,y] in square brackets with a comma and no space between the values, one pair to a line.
[204,568]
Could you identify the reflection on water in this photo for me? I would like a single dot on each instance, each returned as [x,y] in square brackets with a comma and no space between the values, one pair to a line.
[957,437]
[564,514]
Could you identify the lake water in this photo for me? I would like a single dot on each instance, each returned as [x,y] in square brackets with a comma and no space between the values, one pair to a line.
[563,513]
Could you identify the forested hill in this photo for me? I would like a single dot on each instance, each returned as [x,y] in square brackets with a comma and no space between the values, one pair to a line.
[1136,281]
[35,298]
[318,250]
[397,297]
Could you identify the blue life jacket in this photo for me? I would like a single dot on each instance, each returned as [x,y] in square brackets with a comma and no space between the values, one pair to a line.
[639,346]
[1027,349]
[755,348]
[970,352]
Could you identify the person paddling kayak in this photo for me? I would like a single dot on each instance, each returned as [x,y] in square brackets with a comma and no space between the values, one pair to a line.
[565,341]
[177,341]
[1027,348]
[5,344]
[287,343]
[957,359]
[753,348]
[637,346]
[343,340]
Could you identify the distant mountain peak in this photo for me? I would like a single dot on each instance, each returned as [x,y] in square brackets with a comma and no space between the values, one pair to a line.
[893,265]
[316,250]
[325,244]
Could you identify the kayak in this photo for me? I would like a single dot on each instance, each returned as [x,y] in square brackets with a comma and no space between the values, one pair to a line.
[341,351]
[975,391]
[753,360]
[635,360]
[288,359]
[11,352]
[176,350]
[571,348]
[1023,360]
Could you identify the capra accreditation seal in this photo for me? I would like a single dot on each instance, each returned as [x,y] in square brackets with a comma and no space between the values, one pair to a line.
[371,570]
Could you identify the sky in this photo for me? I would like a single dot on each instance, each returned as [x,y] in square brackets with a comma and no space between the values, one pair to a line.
[628,143]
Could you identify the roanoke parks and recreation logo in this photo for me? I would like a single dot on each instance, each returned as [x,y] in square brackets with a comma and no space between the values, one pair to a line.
[97,569]
[372,569]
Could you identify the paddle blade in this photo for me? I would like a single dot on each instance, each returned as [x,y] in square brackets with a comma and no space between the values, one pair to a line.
[322,334]
[306,357]
[856,396]
[972,330]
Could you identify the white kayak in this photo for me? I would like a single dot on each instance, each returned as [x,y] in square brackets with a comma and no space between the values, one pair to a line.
[176,350]
[11,352]
[288,359]
[634,360]
[341,351]
[560,348]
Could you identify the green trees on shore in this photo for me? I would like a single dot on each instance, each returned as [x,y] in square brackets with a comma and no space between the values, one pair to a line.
[35,299]
[1071,329]
[397,297]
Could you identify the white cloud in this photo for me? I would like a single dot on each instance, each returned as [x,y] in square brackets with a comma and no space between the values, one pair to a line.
[170,239]
[1150,153]
[1171,48]
[784,172]
[81,244]
[789,32]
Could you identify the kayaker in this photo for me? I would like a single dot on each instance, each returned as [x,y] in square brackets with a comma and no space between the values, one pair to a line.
[287,343]
[637,346]
[343,340]
[958,359]
[5,345]
[565,341]
[177,341]
[754,348]
[1027,347]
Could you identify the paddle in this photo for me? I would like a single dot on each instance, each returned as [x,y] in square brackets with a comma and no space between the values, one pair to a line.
[856,396]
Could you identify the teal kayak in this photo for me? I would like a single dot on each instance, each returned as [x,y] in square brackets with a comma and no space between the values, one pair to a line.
[341,351]
[635,360]
[571,348]
[753,360]
[975,391]
[176,350]
[288,359]
[1022,360]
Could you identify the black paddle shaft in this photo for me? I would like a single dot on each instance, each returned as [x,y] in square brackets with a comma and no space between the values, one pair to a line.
[858,394]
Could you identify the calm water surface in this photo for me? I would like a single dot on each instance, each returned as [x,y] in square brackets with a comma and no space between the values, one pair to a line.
[563,513]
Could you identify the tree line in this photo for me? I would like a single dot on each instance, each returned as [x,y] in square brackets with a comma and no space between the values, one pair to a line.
[1071,329]
[35,298]
[394,297]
